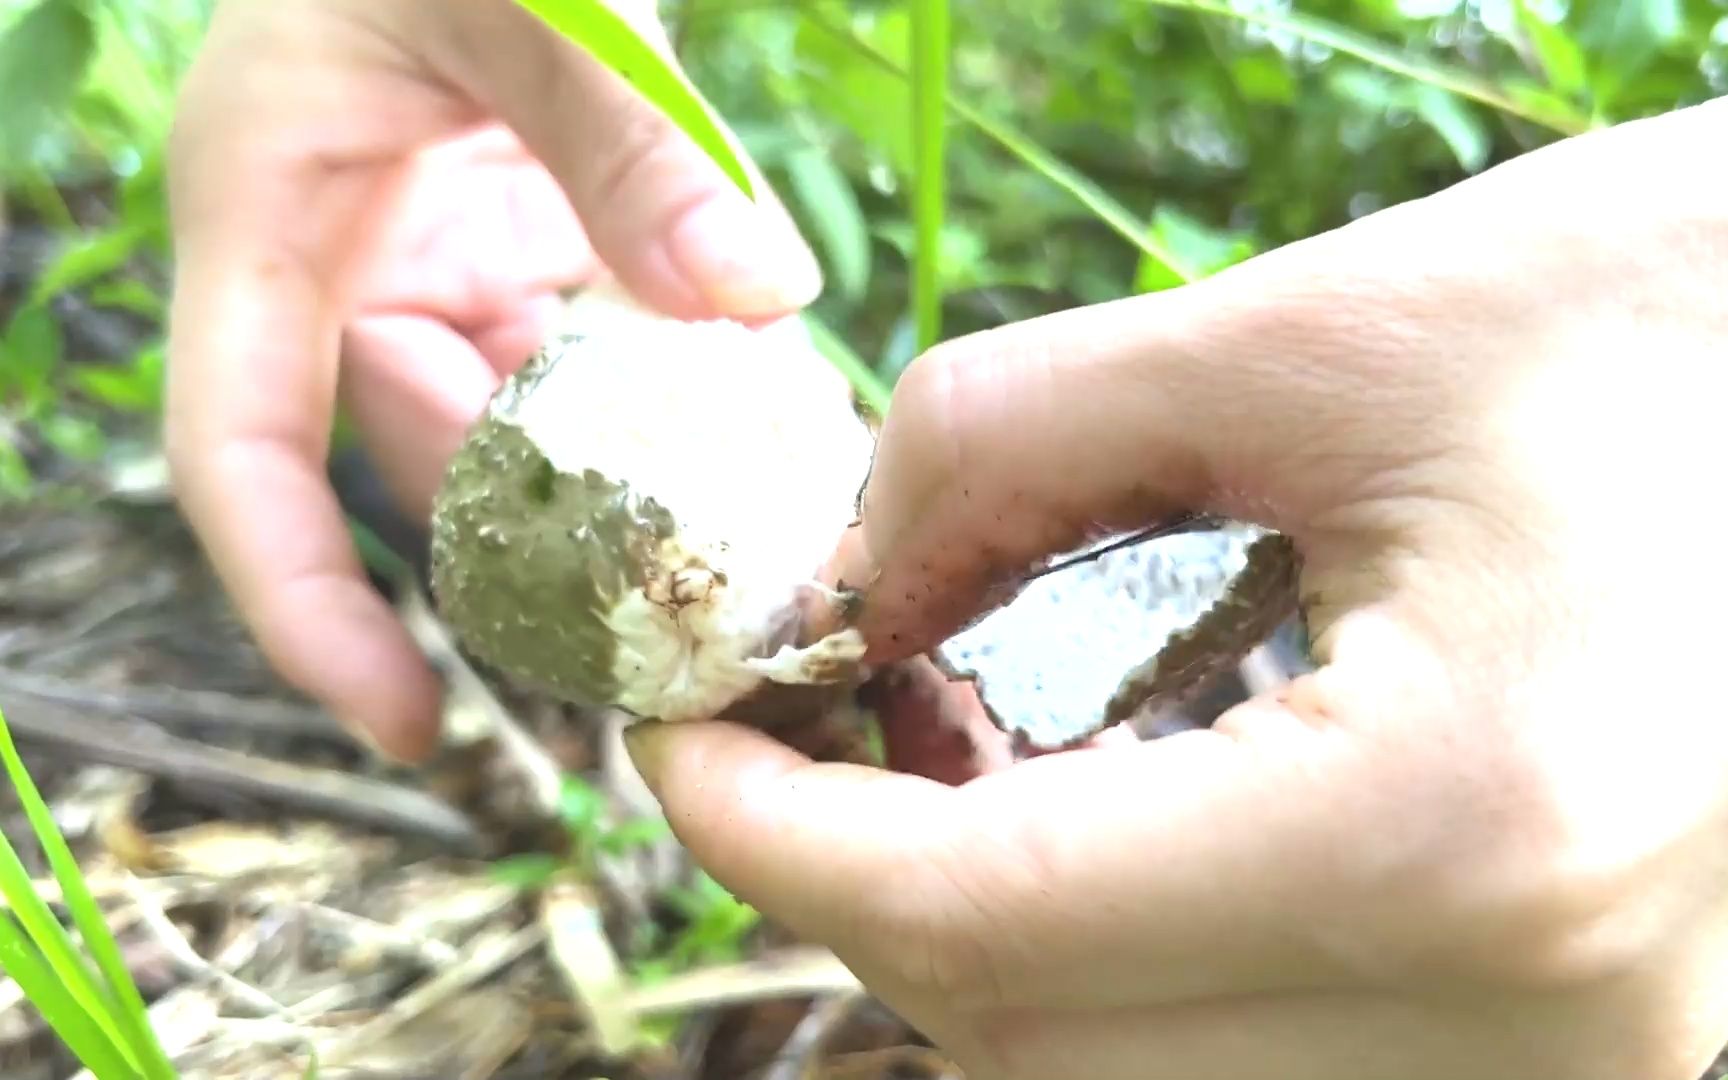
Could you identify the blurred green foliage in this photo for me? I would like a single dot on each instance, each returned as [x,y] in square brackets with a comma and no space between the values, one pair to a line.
[1225,127]
[1096,147]
[86,102]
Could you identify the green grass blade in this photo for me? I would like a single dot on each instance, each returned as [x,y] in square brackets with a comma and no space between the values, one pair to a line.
[118,1007]
[869,386]
[43,988]
[839,221]
[611,40]
[1084,191]
[1554,114]
[1108,211]
[929,128]
[55,945]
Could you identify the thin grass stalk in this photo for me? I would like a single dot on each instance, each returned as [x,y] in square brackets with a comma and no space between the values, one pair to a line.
[600,30]
[930,32]
[1046,164]
[870,387]
[1555,116]
[65,1016]
[120,992]
[51,941]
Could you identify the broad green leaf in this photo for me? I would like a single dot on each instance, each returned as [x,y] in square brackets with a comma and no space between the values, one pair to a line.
[580,806]
[117,1007]
[930,45]
[1262,77]
[1622,37]
[1453,121]
[16,483]
[133,387]
[131,295]
[1205,249]
[529,871]
[637,832]
[144,199]
[1551,113]
[1442,112]
[122,78]
[1562,60]
[85,259]
[74,436]
[718,923]
[1427,9]
[611,40]
[872,100]
[960,252]
[31,348]
[837,220]
[43,58]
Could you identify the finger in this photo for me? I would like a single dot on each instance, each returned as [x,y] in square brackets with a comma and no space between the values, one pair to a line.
[506,343]
[1231,395]
[246,421]
[1004,892]
[661,215]
[769,794]
[1322,1036]
[269,200]
[1211,862]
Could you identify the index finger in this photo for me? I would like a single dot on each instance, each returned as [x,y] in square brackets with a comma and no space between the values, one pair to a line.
[255,324]
[1233,396]
[249,406]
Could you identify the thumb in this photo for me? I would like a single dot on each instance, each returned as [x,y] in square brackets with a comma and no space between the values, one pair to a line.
[1234,396]
[1198,865]
[761,817]
[662,217]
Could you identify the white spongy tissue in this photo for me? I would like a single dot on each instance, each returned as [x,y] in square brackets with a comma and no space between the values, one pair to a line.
[1049,661]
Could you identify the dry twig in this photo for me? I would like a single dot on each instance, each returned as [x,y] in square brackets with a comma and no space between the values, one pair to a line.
[321,792]
[799,1058]
[174,707]
[489,951]
[187,959]
[796,972]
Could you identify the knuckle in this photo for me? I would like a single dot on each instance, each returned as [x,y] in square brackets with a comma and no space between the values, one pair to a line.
[645,153]
[637,152]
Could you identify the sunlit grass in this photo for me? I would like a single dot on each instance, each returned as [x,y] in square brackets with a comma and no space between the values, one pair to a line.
[930,31]
[95,1009]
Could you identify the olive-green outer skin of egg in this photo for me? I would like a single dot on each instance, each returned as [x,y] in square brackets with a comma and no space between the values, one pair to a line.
[527,561]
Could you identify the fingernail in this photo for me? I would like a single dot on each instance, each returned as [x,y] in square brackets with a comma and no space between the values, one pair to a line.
[647,744]
[743,259]
[362,734]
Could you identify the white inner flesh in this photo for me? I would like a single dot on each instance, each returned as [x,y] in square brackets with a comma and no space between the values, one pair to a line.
[1051,659]
[750,441]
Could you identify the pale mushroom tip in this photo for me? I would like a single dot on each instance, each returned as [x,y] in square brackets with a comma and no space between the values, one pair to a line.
[637,519]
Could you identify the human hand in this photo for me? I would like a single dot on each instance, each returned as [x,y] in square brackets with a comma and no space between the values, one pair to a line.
[379,201]
[1484,839]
